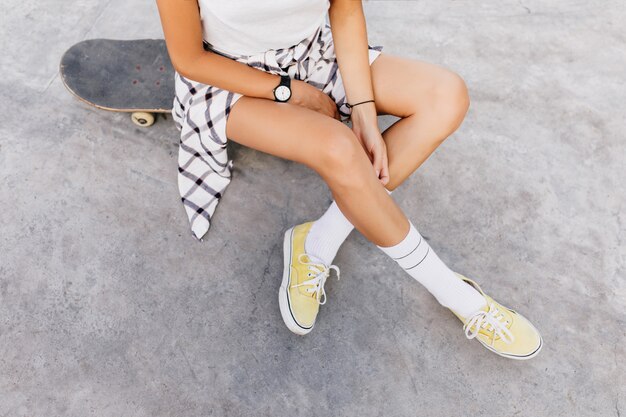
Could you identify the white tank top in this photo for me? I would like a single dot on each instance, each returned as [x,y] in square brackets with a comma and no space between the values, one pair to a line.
[247,27]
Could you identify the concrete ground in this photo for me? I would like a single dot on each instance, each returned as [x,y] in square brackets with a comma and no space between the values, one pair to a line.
[109,307]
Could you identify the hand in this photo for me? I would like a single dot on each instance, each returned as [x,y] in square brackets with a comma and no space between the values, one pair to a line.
[305,95]
[365,127]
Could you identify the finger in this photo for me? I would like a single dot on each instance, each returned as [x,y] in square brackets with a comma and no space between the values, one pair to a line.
[378,161]
[331,106]
[384,175]
[370,153]
[328,110]
[364,146]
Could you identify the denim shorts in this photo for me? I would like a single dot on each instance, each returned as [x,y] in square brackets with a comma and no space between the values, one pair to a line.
[200,112]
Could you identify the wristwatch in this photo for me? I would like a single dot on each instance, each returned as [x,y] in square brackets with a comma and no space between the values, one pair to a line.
[282,92]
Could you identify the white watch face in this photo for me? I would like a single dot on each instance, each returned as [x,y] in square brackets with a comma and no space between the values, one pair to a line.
[283,93]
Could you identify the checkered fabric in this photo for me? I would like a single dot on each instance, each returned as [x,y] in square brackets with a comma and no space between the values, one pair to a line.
[200,112]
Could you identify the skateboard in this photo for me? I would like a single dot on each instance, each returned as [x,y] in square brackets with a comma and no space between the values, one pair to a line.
[133,76]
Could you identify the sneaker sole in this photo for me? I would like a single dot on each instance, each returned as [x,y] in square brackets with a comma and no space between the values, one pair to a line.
[283,292]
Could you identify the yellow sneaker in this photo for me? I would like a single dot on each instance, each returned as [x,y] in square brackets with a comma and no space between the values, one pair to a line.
[500,329]
[302,289]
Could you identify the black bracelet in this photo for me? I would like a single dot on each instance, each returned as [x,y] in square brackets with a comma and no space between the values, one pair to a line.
[348,105]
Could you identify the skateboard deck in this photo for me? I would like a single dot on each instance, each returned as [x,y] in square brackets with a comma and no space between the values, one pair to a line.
[133,76]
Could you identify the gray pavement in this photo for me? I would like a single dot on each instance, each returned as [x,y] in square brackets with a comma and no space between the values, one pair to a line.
[109,307]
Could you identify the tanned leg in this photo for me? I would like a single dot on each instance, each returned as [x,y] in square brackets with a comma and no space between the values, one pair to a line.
[431,102]
[330,148]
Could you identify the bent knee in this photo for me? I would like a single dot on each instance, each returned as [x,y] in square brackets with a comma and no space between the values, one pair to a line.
[340,155]
[451,99]
[339,148]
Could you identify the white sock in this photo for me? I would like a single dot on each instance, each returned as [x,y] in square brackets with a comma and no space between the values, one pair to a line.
[419,260]
[328,233]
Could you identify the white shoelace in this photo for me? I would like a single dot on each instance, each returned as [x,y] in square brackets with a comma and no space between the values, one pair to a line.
[320,272]
[493,321]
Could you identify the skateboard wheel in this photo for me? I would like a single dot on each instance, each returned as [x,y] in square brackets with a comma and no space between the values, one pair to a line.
[142,119]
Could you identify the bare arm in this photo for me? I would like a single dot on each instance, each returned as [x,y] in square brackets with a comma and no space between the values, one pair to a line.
[183,35]
[348,26]
[182,27]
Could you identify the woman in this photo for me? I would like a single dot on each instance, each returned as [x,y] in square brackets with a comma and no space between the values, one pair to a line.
[276,77]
